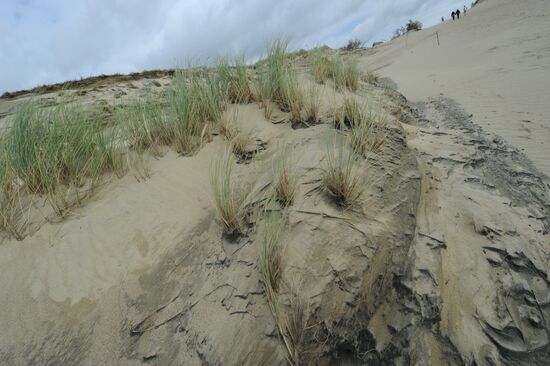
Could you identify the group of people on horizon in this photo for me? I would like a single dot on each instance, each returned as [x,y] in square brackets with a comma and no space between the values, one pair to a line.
[456,14]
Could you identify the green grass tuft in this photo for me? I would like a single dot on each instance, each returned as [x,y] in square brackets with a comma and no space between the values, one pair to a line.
[340,178]
[227,199]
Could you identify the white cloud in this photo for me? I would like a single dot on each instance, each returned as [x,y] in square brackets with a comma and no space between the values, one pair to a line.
[45,41]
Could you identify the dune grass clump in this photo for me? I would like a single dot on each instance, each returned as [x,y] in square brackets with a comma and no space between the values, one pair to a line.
[145,125]
[228,125]
[233,80]
[58,150]
[345,74]
[195,100]
[279,83]
[312,105]
[227,198]
[366,127]
[270,234]
[293,327]
[9,208]
[241,144]
[340,178]
[285,177]
[320,67]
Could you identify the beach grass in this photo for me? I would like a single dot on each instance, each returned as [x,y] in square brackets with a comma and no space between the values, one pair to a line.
[340,179]
[227,199]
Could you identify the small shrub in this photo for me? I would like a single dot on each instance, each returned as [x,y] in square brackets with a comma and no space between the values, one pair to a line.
[339,177]
[413,25]
[226,196]
[353,44]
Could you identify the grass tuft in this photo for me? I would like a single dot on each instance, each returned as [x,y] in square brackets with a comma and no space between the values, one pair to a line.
[145,125]
[233,80]
[269,234]
[278,82]
[340,179]
[195,99]
[57,151]
[226,196]
[346,75]
[285,181]
[366,127]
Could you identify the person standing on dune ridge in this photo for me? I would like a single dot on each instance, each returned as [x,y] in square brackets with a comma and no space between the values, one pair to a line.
[457,14]
[464,12]
[453,15]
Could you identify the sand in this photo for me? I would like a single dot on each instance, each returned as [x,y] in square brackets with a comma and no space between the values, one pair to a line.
[445,260]
[495,62]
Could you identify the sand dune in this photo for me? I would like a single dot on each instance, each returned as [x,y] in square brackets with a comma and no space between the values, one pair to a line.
[442,258]
[495,62]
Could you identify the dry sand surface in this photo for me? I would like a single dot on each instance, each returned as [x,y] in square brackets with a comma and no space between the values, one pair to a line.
[495,62]
[444,259]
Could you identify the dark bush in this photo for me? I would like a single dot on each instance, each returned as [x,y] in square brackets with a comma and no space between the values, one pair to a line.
[414,25]
[353,44]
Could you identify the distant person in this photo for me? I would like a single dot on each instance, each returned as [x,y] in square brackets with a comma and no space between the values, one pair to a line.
[442,19]
[457,13]
[465,8]
[453,15]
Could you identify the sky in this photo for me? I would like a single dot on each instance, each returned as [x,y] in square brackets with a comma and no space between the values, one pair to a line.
[48,41]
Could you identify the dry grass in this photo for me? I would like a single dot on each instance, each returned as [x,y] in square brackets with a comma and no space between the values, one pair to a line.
[195,100]
[60,153]
[345,74]
[145,125]
[227,198]
[293,326]
[367,129]
[340,178]
[278,82]
[241,144]
[312,105]
[228,125]
[320,67]
[233,79]
[269,235]
[285,177]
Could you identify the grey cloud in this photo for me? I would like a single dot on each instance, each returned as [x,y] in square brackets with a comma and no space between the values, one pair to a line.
[47,41]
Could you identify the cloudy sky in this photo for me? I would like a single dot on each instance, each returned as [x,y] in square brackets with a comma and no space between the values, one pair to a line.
[46,41]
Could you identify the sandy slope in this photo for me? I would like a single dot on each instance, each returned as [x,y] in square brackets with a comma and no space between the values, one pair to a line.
[495,62]
[445,261]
